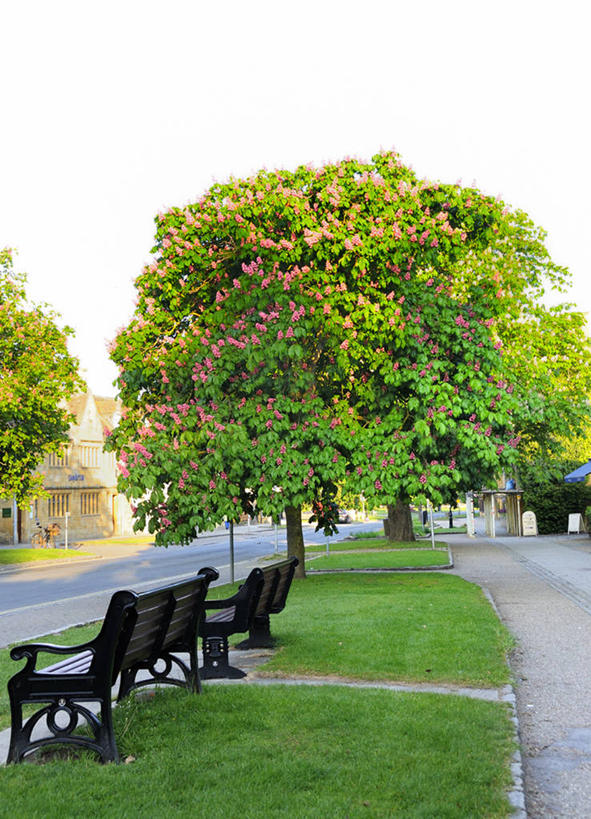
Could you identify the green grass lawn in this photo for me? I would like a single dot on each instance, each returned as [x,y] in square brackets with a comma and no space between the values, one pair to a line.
[443,530]
[374,542]
[291,751]
[424,626]
[406,558]
[128,540]
[11,556]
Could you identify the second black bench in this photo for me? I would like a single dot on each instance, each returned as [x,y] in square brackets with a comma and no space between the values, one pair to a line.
[264,592]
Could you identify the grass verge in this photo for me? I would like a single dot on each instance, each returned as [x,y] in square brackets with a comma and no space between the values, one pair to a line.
[414,627]
[131,540]
[407,558]
[442,530]
[283,751]
[374,542]
[13,556]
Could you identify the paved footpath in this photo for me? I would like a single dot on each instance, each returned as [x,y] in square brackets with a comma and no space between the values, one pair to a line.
[542,590]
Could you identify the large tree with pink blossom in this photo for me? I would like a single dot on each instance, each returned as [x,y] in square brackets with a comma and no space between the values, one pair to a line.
[302,329]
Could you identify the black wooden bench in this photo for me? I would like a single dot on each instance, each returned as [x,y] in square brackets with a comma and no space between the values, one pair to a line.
[264,592]
[140,632]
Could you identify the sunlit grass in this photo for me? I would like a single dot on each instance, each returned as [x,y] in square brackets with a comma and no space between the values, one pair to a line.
[128,540]
[405,558]
[15,556]
[374,542]
[423,626]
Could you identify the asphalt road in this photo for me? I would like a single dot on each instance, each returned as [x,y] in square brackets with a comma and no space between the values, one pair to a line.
[43,598]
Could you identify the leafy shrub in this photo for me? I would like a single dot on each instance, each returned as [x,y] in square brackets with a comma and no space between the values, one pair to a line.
[553,503]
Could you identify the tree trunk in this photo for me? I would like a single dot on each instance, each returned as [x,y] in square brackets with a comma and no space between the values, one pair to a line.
[295,538]
[399,521]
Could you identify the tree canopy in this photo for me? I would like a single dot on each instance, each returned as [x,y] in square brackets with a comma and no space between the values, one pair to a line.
[301,329]
[36,374]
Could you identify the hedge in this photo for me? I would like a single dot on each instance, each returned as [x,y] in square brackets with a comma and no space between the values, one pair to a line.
[554,503]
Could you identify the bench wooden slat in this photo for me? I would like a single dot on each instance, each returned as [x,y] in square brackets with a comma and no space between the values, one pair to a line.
[79,664]
[222,616]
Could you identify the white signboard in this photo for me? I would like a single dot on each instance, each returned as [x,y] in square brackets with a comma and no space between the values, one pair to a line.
[575,524]
[529,524]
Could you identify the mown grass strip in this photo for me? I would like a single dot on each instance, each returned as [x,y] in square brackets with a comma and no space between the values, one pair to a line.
[128,540]
[375,543]
[283,751]
[416,627]
[16,556]
[407,558]
[413,627]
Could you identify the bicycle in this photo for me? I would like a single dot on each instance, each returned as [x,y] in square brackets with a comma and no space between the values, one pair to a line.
[45,536]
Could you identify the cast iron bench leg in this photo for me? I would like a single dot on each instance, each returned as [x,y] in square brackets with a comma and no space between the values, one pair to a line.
[215,660]
[259,635]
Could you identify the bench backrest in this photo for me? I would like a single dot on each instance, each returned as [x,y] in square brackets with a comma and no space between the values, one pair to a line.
[189,599]
[277,581]
[157,620]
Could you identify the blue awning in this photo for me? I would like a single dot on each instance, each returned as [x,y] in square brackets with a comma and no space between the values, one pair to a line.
[579,474]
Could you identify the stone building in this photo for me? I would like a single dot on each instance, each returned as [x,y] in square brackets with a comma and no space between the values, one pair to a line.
[81,482]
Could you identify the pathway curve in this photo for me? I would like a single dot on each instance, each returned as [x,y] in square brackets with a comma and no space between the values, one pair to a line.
[544,598]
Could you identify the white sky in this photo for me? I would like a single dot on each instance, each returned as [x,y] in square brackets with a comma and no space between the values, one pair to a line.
[113,111]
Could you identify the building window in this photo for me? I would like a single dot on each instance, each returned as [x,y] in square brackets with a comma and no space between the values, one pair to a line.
[58,504]
[89,455]
[59,458]
[89,503]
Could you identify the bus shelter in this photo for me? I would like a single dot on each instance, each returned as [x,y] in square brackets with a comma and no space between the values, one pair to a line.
[494,501]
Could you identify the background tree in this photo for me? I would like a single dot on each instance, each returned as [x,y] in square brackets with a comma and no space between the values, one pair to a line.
[321,311]
[36,375]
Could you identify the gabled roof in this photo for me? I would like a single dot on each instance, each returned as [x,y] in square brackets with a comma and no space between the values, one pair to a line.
[108,409]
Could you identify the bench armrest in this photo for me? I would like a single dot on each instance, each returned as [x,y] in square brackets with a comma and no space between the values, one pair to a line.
[250,586]
[31,651]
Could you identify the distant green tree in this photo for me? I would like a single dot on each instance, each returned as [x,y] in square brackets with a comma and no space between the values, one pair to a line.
[37,374]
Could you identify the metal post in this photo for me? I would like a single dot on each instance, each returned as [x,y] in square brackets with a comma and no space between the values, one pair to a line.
[276,538]
[231,551]
[470,515]
[66,515]
[431,523]
[14,522]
